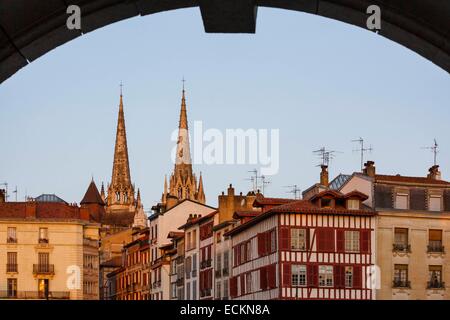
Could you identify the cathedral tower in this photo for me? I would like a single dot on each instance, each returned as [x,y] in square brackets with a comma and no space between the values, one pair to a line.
[121,190]
[183,182]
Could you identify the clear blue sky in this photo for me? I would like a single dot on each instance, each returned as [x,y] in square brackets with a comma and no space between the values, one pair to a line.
[320,81]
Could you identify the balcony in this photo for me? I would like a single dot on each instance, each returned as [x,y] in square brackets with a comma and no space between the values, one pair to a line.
[180,282]
[401,284]
[43,269]
[11,240]
[11,267]
[435,247]
[436,284]
[401,247]
[22,295]
[43,241]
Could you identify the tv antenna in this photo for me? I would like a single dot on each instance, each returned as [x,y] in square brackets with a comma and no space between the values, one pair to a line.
[255,183]
[15,191]
[325,156]
[264,183]
[362,149]
[295,190]
[6,189]
[435,149]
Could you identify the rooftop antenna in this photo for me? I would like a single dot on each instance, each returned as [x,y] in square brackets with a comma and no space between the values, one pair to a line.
[362,149]
[434,149]
[325,156]
[6,189]
[295,190]
[15,191]
[264,183]
[254,179]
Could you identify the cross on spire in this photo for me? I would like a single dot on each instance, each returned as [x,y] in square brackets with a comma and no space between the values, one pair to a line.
[183,80]
[121,88]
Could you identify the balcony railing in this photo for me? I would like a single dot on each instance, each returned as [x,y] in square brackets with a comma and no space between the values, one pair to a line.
[401,284]
[11,240]
[43,241]
[34,295]
[205,264]
[435,247]
[437,284]
[43,269]
[11,267]
[401,247]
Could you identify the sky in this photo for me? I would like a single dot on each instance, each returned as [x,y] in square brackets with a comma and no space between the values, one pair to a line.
[320,82]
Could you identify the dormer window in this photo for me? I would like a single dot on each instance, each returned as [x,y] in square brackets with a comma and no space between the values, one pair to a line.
[353,204]
[435,203]
[401,201]
[326,203]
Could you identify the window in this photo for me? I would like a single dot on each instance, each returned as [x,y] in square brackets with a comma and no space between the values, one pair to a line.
[188,291]
[298,239]
[353,204]
[325,276]
[194,239]
[194,262]
[326,203]
[248,283]
[218,290]
[349,277]
[351,241]
[435,276]
[435,203]
[401,201]
[11,265]
[226,259]
[117,196]
[273,240]
[401,276]
[219,262]
[225,289]
[218,237]
[401,239]
[194,290]
[188,242]
[12,288]
[435,241]
[242,248]
[298,274]
[43,235]
[12,236]
[249,251]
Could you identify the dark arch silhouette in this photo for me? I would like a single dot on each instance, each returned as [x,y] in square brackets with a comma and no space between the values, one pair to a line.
[30,28]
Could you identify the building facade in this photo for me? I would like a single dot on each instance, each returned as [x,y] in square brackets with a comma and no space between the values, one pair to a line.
[322,248]
[49,250]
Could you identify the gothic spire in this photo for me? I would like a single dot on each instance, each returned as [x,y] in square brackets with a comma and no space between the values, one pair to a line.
[183,155]
[121,190]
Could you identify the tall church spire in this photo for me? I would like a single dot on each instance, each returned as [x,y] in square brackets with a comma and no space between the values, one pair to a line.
[121,191]
[183,155]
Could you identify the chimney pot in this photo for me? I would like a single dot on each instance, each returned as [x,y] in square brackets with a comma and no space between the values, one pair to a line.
[369,169]
[324,177]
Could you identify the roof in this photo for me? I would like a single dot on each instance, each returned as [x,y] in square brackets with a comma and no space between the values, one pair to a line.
[339,181]
[197,220]
[118,218]
[410,180]
[262,201]
[49,198]
[113,262]
[246,214]
[299,206]
[92,195]
[159,205]
[340,195]
[175,235]
[39,210]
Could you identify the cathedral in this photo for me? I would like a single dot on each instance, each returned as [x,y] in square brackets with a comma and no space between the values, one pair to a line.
[183,182]
[123,208]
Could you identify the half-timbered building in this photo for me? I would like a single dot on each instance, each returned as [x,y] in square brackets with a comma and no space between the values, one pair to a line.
[321,248]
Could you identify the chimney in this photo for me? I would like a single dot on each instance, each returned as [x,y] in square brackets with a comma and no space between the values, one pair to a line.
[230,190]
[324,179]
[434,173]
[30,210]
[369,169]
[2,195]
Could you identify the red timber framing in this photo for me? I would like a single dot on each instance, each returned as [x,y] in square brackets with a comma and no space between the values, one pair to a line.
[206,283]
[301,250]
[325,251]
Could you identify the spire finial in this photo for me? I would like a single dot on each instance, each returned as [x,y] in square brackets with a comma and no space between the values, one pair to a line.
[121,88]
[183,80]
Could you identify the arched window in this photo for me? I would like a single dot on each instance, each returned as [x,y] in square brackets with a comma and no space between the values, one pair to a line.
[117,196]
[180,193]
[125,197]
[188,194]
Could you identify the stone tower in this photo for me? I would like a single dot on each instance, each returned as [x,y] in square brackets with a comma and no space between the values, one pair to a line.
[183,182]
[121,190]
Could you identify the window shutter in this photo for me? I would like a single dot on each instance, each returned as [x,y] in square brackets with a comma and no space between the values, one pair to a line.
[267,243]
[242,283]
[263,278]
[238,254]
[357,276]
[312,271]
[330,240]
[338,276]
[284,238]
[233,287]
[418,199]
[447,200]
[261,243]
[435,235]
[308,245]
[272,276]
[383,196]
[340,241]
[320,240]
[286,275]
[365,241]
